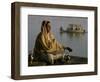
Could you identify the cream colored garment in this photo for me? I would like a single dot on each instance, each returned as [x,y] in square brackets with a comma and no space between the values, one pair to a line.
[50,42]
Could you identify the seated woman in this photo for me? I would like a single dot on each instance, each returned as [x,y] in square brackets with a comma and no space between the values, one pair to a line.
[46,46]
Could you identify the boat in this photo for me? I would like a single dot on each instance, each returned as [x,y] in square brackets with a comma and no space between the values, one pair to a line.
[74,28]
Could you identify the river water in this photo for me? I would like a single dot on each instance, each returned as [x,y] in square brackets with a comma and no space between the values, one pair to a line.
[76,41]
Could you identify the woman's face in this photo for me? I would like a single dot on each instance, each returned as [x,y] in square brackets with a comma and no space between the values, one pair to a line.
[48,27]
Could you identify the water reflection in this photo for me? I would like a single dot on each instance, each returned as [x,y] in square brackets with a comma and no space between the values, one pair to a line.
[77,41]
[78,35]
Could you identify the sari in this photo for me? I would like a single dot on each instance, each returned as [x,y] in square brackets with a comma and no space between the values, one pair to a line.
[47,47]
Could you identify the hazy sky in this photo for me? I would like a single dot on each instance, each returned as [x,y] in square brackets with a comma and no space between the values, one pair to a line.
[34,25]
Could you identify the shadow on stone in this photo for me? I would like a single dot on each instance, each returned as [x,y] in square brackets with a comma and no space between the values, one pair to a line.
[71,61]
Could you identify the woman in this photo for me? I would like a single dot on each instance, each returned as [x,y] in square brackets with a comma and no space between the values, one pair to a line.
[46,47]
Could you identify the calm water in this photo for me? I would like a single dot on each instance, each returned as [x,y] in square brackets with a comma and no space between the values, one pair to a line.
[77,41]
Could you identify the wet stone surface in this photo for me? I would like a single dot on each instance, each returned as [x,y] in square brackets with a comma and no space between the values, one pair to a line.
[73,60]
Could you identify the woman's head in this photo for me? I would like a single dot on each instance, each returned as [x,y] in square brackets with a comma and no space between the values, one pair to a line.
[45,27]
